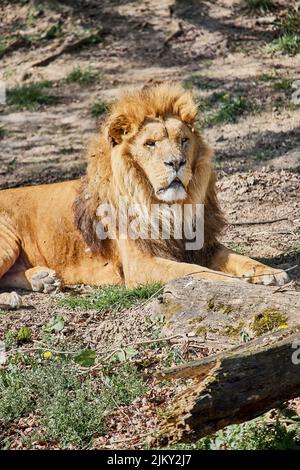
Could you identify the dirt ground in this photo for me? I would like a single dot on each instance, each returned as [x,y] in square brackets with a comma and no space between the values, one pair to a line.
[151,41]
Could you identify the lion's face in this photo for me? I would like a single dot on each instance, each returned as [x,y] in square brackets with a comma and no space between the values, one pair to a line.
[164,149]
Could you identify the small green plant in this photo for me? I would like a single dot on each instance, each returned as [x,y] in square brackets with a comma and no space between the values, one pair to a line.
[55,31]
[267,77]
[197,81]
[288,43]
[66,150]
[258,6]
[24,334]
[31,96]
[71,407]
[112,298]
[223,108]
[283,85]
[2,132]
[83,77]
[290,23]
[253,435]
[99,108]
[3,42]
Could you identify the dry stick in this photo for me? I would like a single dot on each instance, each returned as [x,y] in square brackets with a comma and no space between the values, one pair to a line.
[259,222]
[139,343]
[289,284]
[240,277]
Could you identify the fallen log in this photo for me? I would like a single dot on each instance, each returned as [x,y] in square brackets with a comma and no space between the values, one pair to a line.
[227,313]
[249,370]
[232,387]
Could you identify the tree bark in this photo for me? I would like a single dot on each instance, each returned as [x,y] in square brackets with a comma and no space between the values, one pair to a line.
[233,386]
[253,329]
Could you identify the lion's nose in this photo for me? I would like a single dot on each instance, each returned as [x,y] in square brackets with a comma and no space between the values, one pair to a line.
[176,164]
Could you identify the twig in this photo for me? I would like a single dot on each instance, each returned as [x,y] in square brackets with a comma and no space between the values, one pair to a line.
[138,343]
[219,273]
[66,47]
[258,222]
[282,288]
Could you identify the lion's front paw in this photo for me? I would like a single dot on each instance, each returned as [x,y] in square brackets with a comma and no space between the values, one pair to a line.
[45,280]
[267,276]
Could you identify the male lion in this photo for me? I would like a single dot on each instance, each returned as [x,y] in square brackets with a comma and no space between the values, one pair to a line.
[147,152]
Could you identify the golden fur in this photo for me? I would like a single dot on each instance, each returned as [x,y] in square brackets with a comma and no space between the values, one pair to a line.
[148,151]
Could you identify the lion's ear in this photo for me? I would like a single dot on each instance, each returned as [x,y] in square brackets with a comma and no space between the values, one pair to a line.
[186,108]
[116,128]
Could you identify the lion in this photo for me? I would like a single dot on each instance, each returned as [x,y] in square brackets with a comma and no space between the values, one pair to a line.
[147,152]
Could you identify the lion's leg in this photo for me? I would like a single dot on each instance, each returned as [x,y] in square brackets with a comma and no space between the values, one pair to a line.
[141,269]
[9,253]
[242,266]
[38,279]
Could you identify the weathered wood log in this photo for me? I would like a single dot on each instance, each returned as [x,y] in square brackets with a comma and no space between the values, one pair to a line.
[226,312]
[233,386]
[255,328]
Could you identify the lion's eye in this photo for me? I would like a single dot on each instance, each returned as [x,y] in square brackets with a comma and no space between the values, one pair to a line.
[184,140]
[150,143]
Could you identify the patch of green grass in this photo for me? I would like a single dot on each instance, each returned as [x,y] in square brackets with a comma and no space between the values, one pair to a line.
[31,96]
[66,150]
[3,42]
[90,37]
[99,108]
[258,6]
[55,31]
[265,154]
[2,132]
[83,77]
[71,407]
[267,77]
[283,85]
[197,81]
[223,108]
[290,23]
[253,435]
[111,298]
[288,43]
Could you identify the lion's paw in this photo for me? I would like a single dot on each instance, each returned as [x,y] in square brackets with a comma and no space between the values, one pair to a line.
[45,280]
[267,276]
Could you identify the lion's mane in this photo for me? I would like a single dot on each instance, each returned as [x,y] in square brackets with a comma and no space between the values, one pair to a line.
[109,178]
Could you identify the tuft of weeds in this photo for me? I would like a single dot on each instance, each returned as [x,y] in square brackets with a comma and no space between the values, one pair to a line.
[290,23]
[71,407]
[99,108]
[31,96]
[258,6]
[257,434]
[53,32]
[66,150]
[283,85]
[83,77]
[267,77]
[2,132]
[223,108]
[197,81]
[288,43]
[112,298]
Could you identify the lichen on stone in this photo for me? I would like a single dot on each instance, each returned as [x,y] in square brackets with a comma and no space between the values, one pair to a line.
[268,320]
